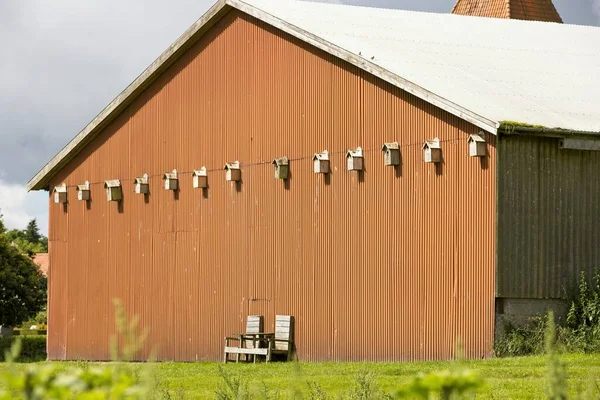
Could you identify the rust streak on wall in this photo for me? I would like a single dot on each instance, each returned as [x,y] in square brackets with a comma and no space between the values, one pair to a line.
[386,264]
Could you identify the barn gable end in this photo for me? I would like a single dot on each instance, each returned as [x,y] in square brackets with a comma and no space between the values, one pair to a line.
[361,259]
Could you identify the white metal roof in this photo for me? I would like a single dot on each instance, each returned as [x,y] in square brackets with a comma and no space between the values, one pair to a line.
[486,71]
[536,73]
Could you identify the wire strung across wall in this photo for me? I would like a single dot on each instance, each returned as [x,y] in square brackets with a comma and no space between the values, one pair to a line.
[260,163]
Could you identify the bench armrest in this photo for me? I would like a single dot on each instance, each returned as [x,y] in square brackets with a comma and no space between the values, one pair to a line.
[283,340]
[257,336]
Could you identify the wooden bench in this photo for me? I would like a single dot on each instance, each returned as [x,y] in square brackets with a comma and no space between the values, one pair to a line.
[257,343]
[251,343]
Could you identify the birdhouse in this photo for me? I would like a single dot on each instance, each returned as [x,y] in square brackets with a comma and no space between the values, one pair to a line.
[432,151]
[321,163]
[171,180]
[354,159]
[141,184]
[391,154]
[83,192]
[60,194]
[114,191]
[233,172]
[476,146]
[282,167]
[200,178]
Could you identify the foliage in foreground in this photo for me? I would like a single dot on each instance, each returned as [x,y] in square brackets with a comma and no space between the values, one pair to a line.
[135,381]
[82,381]
[49,382]
[457,383]
[579,334]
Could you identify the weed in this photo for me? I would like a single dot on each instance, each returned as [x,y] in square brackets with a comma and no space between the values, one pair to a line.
[557,376]
[365,388]
[316,392]
[522,340]
[231,388]
[582,333]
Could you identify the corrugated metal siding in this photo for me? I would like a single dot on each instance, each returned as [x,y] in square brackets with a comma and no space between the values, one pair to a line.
[548,217]
[385,265]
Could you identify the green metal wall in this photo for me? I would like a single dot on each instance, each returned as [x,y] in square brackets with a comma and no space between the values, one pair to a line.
[548,217]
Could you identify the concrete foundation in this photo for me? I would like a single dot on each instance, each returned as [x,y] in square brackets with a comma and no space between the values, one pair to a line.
[518,312]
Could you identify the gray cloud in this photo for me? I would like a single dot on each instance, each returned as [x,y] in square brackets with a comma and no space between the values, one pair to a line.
[64,60]
[596,8]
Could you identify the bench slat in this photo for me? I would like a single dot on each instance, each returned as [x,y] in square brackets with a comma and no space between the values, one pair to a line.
[239,350]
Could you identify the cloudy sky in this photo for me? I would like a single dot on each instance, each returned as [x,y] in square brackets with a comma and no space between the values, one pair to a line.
[64,60]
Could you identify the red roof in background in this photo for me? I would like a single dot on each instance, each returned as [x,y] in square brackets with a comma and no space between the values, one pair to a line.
[43,260]
[533,10]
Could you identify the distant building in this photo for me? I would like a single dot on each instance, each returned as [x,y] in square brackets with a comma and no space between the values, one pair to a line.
[397,181]
[533,10]
[43,261]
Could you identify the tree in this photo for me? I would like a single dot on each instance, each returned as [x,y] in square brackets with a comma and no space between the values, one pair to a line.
[23,288]
[29,240]
[32,232]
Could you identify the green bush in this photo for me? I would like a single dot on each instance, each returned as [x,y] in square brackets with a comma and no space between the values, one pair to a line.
[579,334]
[41,318]
[33,348]
[29,332]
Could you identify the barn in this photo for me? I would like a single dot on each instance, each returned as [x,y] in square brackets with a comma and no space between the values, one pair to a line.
[396,181]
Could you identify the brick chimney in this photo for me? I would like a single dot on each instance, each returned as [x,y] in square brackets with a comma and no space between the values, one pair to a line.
[532,10]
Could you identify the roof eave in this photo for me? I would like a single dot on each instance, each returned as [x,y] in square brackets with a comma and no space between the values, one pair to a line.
[532,130]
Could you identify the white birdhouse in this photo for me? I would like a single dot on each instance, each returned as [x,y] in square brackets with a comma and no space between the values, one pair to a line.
[114,192]
[355,159]
[171,180]
[282,167]
[83,192]
[200,178]
[432,151]
[60,194]
[476,146]
[391,154]
[233,173]
[321,162]
[141,184]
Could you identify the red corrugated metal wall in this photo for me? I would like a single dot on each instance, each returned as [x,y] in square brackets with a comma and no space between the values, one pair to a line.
[385,265]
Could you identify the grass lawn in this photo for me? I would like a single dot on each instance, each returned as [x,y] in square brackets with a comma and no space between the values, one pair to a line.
[512,378]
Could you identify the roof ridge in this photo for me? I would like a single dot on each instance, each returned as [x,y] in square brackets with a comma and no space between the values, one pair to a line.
[461,97]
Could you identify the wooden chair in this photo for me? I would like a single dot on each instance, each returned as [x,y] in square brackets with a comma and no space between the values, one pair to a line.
[283,343]
[249,343]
